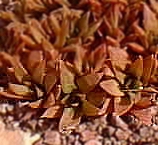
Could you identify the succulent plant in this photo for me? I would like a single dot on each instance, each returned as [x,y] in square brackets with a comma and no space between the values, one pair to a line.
[80,58]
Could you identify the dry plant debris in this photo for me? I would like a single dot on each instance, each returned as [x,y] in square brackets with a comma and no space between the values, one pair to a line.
[71,59]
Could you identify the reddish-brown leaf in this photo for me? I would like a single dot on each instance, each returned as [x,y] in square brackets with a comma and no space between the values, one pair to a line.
[35,23]
[53,112]
[136,47]
[154,5]
[93,28]
[20,89]
[112,87]
[145,101]
[49,49]
[141,34]
[78,61]
[112,41]
[54,24]
[35,57]
[36,104]
[36,34]
[150,21]
[50,79]
[50,101]
[100,54]
[107,71]
[12,96]
[84,23]
[28,41]
[144,115]
[63,34]
[106,107]
[39,72]
[19,70]
[119,59]
[122,105]
[96,97]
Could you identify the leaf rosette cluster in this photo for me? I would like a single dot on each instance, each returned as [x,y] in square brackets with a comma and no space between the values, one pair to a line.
[80,58]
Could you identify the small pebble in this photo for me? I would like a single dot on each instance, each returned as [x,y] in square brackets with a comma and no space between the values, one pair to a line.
[93,142]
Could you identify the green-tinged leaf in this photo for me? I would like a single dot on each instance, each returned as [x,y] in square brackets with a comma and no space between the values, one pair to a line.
[122,105]
[112,87]
[148,64]
[84,23]
[53,112]
[67,78]
[39,72]
[69,120]
[36,34]
[136,68]
[12,96]
[88,82]
[50,79]
[20,89]
[93,28]
[89,109]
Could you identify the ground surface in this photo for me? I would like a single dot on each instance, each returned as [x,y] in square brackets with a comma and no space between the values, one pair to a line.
[19,125]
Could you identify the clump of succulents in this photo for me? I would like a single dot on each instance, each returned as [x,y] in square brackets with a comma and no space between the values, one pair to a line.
[80,58]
